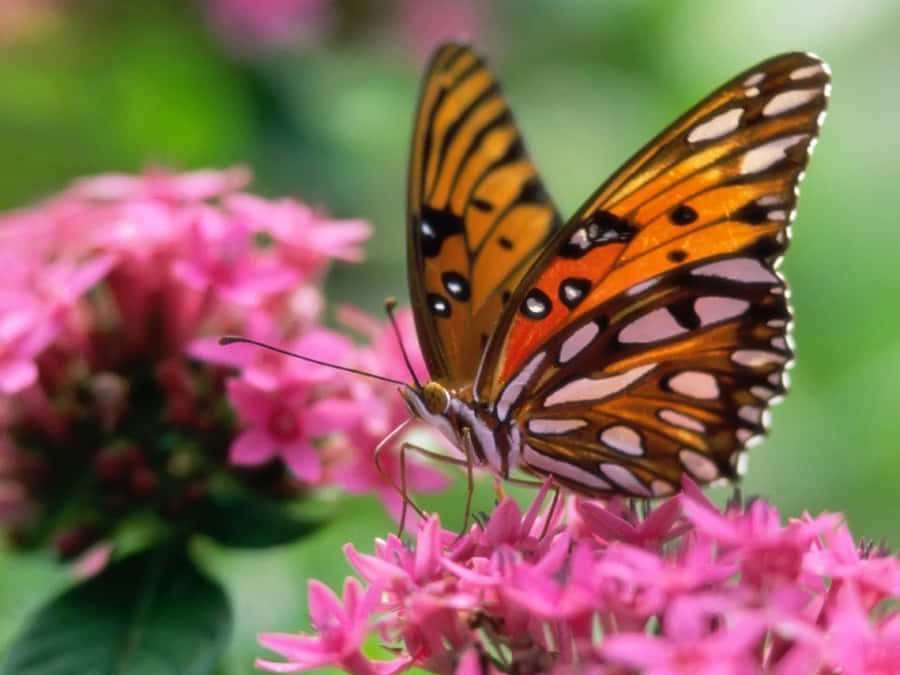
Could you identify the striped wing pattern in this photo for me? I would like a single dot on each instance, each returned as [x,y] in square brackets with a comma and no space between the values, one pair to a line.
[478,213]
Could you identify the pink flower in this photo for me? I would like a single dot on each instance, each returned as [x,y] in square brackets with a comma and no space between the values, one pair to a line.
[688,646]
[308,239]
[859,643]
[184,188]
[770,552]
[562,597]
[108,289]
[24,334]
[252,26]
[431,22]
[284,419]
[341,630]
[612,521]
[223,260]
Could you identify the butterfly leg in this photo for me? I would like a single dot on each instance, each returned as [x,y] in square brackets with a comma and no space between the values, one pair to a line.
[386,442]
[498,488]
[537,484]
[407,501]
[470,481]
[550,513]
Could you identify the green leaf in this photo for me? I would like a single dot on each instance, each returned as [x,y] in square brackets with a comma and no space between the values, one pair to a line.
[153,613]
[245,522]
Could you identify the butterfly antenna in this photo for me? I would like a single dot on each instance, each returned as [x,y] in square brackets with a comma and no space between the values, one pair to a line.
[232,339]
[389,305]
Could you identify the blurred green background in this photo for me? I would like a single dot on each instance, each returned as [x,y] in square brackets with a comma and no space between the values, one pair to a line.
[323,111]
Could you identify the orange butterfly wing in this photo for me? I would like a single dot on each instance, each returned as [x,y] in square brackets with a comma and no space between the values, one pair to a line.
[650,336]
[478,213]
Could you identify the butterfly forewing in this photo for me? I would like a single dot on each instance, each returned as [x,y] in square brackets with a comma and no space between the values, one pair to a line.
[651,334]
[478,213]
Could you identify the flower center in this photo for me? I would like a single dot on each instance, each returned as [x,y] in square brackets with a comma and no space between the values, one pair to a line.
[283,423]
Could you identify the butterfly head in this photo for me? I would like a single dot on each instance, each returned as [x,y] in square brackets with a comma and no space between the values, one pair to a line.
[430,403]
[431,399]
[436,398]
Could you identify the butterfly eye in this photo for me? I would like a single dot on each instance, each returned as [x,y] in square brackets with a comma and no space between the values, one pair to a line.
[436,398]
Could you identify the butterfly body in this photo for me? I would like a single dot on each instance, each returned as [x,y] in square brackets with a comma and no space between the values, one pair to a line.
[642,339]
[473,428]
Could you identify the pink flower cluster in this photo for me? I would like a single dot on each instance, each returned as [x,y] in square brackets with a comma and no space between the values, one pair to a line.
[251,25]
[108,291]
[608,588]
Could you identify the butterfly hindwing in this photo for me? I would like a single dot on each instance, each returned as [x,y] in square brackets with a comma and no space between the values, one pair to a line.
[651,334]
[478,213]
[673,377]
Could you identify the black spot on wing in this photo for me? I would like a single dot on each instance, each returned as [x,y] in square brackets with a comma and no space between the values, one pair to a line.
[683,215]
[601,227]
[439,305]
[435,227]
[536,304]
[573,290]
[457,286]
[752,214]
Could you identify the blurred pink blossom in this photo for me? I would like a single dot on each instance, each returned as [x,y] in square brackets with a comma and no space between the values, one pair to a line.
[428,23]
[114,292]
[286,416]
[160,185]
[258,25]
[614,591]
[308,239]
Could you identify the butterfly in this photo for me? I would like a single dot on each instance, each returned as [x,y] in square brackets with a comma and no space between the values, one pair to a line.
[643,339]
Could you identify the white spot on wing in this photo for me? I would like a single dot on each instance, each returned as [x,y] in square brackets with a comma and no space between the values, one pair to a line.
[513,389]
[754,79]
[661,488]
[637,289]
[681,420]
[624,439]
[557,467]
[652,327]
[745,270]
[592,389]
[535,305]
[712,309]
[762,393]
[717,126]
[738,460]
[696,384]
[698,465]
[577,341]
[543,425]
[625,479]
[750,413]
[788,100]
[454,287]
[762,157]
[754,358]
[807,71]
